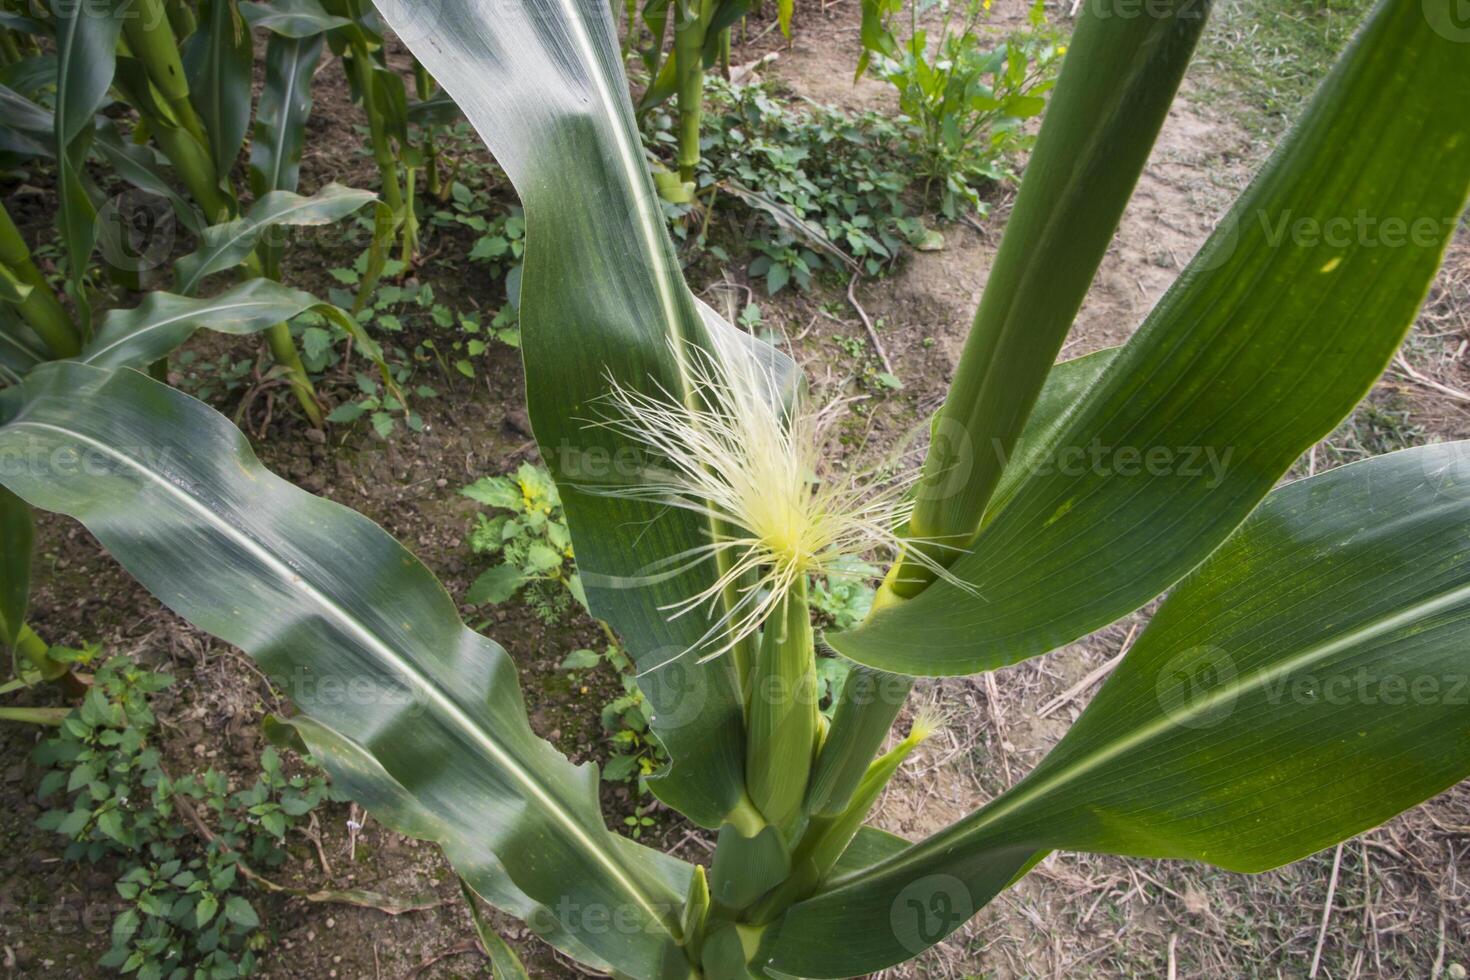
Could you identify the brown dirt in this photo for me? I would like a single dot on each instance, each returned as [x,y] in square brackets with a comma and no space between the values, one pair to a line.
[1401,900]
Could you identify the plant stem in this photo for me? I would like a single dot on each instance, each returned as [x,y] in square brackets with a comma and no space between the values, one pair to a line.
[283,349]
[362,68]
[9,50]
[40,309]
[689,35]
[425,88]
[151,37]
[52,717]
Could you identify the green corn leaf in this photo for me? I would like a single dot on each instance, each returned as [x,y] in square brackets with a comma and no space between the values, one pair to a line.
[601,294]
[299,19]
[31,75]
[504,963]
[163,321]
[25,25]
[226,245]
[86,50]
[1303,685]
[417,711]
[285,105]
[16,534]
[1111,100]
[218,60]
[20,348]
[1270,337]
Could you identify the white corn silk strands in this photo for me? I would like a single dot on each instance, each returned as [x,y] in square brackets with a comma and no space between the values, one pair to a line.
[756,469]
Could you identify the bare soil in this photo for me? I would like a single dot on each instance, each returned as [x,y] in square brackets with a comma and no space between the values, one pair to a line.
[1400,903]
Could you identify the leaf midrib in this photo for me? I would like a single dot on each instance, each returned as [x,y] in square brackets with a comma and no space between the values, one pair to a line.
[93,356]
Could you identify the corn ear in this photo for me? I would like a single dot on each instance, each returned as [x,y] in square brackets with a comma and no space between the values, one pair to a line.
[783,712]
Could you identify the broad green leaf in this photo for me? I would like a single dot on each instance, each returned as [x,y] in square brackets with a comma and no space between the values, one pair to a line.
[86,49]
[285,105]
[226,245]
[355,630]
[218,59]
[1269,338]
[239,911]
[299,19]
[496,585]
[1111,100]
[16,535]
[20,348]
[163,321]
[504,963]
[25,25]
[30,76]
[601,295]
[1306,683]
[441,110]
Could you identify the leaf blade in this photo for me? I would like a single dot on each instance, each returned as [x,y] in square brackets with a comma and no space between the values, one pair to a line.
[1227,377]
[173,481]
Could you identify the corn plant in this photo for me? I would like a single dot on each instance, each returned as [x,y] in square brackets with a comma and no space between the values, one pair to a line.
[35,329]
[701,38]
[1264,714]
[188,80]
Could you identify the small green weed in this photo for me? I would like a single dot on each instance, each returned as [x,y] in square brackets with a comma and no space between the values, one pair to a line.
[636,752]
[187,914]
[528,533]
[803,189]
[965,95]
